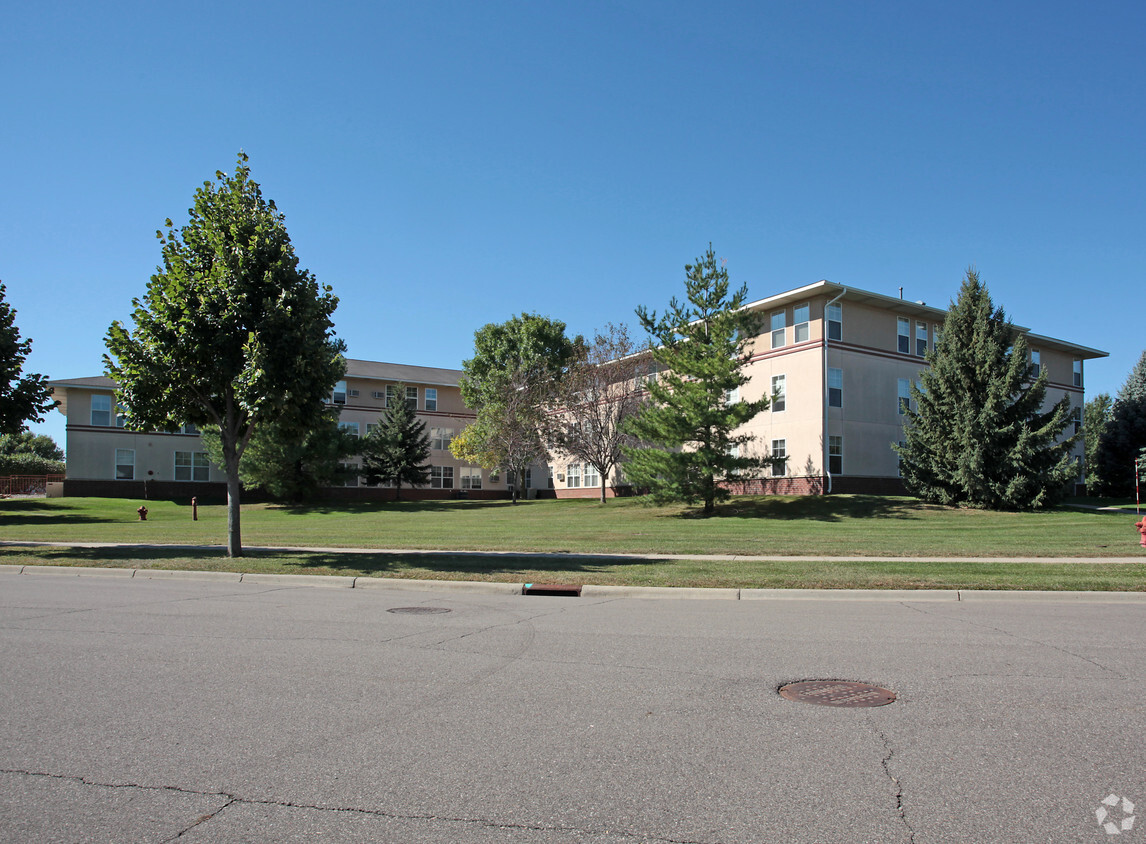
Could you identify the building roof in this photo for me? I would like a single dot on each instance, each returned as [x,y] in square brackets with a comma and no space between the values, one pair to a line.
[905,307]
[379,371]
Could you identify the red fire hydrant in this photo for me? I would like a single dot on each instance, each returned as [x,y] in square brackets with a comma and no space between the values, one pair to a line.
[142,513]
[194,509]
[1142,530]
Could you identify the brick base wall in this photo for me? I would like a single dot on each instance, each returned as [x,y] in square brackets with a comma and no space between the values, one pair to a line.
[206,493]
[851,485]
[777,486]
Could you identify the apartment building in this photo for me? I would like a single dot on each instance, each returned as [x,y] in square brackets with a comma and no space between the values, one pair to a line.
[839,363]
[106,459]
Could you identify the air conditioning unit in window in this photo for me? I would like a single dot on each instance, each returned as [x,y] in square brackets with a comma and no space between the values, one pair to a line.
[353,394]
[378,394]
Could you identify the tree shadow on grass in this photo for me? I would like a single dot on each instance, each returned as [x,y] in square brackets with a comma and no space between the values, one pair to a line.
[366,508]
[821,508]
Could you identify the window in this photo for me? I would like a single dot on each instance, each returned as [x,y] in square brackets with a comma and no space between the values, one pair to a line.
[1076,418]
[189,428]
[835,455]
[904,331]
[441,477]
[573,476]
[470,477]
[592,476]
[779,393]
[1036,363]
[550,477]
[338,396]
[440,438]
[904,396]
[800,318]
[412,398]
[124,464]
[529,478]
[835,387]
[779,458]
[352,477]
[390,396]
[732,396]
[192,466]
[835,317]
[778,329]
[650,376]
[494,475]
[350,428]
[371,427]
[921,338]
[431,398]
[101,409]
[1078,373]
[937,333]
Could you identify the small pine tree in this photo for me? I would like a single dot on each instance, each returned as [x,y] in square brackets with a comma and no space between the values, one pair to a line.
[398,450]
[980,437]
[1124,436]
[1095,418]
[701,347]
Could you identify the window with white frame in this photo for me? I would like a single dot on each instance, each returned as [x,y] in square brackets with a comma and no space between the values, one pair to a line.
[835,321]
[338,395]
[903,399]
[800,318]
[470,477]
[125,464]
[592,477]
[573,476]
[441,477]
[779,458]
[529,478]
[835,455]
[779,393]
[1036,362]
[1078,373]
[921,338]
[494,476]
[431,398]
[371,427]
[412,398]
[391,396]
[440,438]
[778,325]
[349,428]
[101,409]
[903,331]
[192,466]
[732,396]
[1076,418]
[835,387]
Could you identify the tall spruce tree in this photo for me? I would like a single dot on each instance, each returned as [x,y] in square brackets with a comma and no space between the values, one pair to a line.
[1095,418]
[980,437]
[687,427]
[1124,436]
[398,450]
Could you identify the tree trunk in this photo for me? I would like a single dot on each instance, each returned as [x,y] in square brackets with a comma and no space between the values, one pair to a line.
[234,533]
[602,487]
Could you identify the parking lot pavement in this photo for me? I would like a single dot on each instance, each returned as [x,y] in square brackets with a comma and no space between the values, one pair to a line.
[209,711]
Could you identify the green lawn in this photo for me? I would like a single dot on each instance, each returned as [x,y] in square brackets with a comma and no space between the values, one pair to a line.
[809,527]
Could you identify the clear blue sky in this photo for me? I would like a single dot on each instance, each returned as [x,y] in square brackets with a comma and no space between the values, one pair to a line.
[444,165]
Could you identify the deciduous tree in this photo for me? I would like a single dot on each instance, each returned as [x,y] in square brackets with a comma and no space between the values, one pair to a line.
[687,428]
[231,333]
[980,436]
[23,397]
[398,450]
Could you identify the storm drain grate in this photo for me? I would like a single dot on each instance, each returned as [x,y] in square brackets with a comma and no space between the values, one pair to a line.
[569,590]
[418,610]
[837,693]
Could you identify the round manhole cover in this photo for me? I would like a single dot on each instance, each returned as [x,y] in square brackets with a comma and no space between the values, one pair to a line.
[837,693]
[418,610]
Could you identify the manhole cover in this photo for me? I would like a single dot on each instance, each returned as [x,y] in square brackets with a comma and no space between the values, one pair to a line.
[837,693]
[418,610]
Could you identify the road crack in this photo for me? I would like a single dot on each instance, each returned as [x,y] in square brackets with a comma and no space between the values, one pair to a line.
[886,765]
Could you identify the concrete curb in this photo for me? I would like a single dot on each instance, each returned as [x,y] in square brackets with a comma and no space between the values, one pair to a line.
[480,586]
[1032,595]
[849,594]
[6,569]
[341,581]
[79,571]
[677,592]
[166,574]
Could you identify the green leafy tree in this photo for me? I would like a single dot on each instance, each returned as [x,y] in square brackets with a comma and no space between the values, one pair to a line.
[23,398]
[25,442]
[1095,418]
[398,450]
[231,333]
[290,465]
[702,347]
[510,382]
[1124,436]
[602,391]
[980,437]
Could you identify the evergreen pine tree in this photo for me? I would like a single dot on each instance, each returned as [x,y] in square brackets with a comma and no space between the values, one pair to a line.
[398,450]
[701,348]
[980,437]
[1124,436]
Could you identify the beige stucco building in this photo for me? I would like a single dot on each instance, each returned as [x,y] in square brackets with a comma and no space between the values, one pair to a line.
[839,363]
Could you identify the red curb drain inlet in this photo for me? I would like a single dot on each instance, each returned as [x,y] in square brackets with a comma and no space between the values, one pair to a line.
[418,610]
[837,693]
[569,590]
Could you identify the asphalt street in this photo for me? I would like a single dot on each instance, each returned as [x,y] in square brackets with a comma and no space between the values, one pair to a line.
[137,710]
